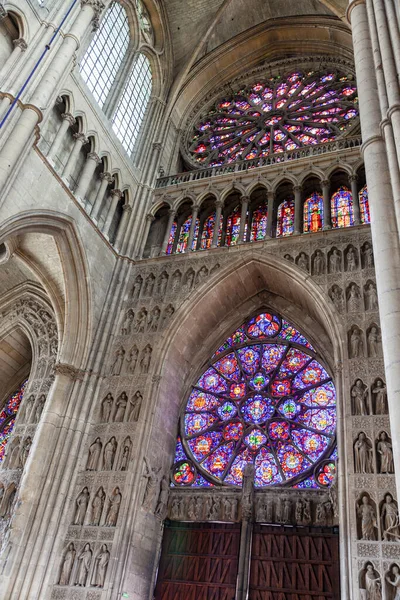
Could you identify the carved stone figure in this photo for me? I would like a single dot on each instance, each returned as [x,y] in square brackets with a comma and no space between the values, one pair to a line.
[8,499]
[373,342]
[118,362]
[395,582]
[113,508]
[215,509]
[97,507]
[152,476]
[127,325]
[149,287]
[137,288]
[390,520]
[175,510]
[372,584]
[230,508]
[302,261]
[120,407]
[368,256]
[134,407]
[287,510]
[384,450]
[192,510]
[353,298]
[319,263]
[162,283]
[359,397]
[94,455]
[367,516]
[336,295]
[380,394]
[356,343]
[351,259]
[307,512]
[39,408]
[371,297]
[124,459]
[288,257]
[67,565]
[132,359]
[145,360]
[320,517]
[100,567]
[154,319]
[84,560]
[106,407]
[168,312]
[201,275]
[161,509]
[176,281]
[25,448]
[189,278]
[363,455]
[335,261]
[14,462]
[81,504]
[109,454]
[141,320]
[299,511]
[28,408]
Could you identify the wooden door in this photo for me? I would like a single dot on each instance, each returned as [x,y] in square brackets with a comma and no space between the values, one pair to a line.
[198,562]
[294,564]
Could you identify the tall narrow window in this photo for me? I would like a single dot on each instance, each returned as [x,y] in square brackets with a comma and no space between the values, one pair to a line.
[233,227]
[8,416]
[103,58]
[259,224]
[184,235]
[342,208]
[285,222]
[171,238]
[208,232]
[313,213]
[364,205]
[132,106]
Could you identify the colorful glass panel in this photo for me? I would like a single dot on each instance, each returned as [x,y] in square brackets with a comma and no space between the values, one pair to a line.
[285,219]
[171,239]
[233,227]
[259,224]
[364,205]
[208,232]
[313,213]
[8,416]
[342,208]
[264,399]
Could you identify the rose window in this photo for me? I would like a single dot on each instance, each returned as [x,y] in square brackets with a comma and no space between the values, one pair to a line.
[265,398]
[274,115]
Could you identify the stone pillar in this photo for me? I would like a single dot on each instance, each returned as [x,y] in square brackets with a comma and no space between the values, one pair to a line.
[149,220]
[356,204]
[298,209]
[171,217]
[195,212]
[19,47]
[114,197]
[67,122]
[127,209]
[246,532]
[218,210]
[326,186]
[270,214]
[106,180]
[383,221]
[394,30]
[243,217]
[92,160]
[80,140]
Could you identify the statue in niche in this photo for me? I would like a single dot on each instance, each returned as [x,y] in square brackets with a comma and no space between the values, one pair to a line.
[390,520]
[109,454]
[373,586]
[373,342]
[120,407]
[363,455]
[336,295]
[359,397]
[106,407]
[97,507]
[335,261]
[320,514]
[307,512]
[201,275]
[161,508]
[145,360]
[380,394]
[356,343]
[67,565]
[176,508]
[14,462]
[149,287]
[124,460]
[28,408]
[118,362]
[192,510]
[132,359]
[230,508]
[100,567]
[94,455]
[127,325]
[176,281]
[141,321]
[367,516]
[384,451]
[39,408]
[168,312]
[187,286]
[288,257]
[7,502]
[319,263]
[265,510]
[154,319]
[134,407]
[113,508]
[287,510]
[351,259]
[215,509]
[152,476]
[302,261]
[368,256]
[395,582]
[162,284]
[371,297]
[84,560]
[137,287]
[298,511]
[81,504]
[26,446]
[353,298]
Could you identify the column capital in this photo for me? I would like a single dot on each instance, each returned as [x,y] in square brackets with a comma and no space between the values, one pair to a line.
[68,117]
[353,177]
[325,183]
[195,207]
[150,218]
[298,188]
[270,195]
[80,137]
[108,176]
[157,146]
[3,12]
[127,208]
[353,4]
[171,212]
[97,5]
[219,203]
[117,193]
[21,44]
[244,199]
[94,156]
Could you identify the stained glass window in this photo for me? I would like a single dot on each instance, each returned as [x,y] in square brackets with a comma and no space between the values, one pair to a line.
[208,232]
[313,213]
[364,205]
[342,208]
[264,398]
[259,224]
[171,238]
[8,416]
[184,235]
[285,219]
[233,227]
[274,115]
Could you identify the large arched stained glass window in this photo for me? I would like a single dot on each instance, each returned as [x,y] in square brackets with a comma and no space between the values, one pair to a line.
[342,208]
[264,398]
[171,239]
[364,205]
[233,227]
[8,416]
[259,224]
[273,115]
[285,219]
[313,213]
[103,58]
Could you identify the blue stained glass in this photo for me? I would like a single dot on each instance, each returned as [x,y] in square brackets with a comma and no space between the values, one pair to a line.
[259,224]
[8,416]
[171,238]
[313,213]
[285,221]
[342,208]
[364,206]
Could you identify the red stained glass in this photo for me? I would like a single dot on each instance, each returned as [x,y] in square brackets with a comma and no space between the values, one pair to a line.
[342,208]
[285,219]
[8,416]
[313,213]
[364,206]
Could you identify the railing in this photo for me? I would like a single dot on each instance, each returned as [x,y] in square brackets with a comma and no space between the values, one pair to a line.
[272,159]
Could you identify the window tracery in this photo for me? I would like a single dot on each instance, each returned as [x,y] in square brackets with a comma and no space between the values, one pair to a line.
[8,416]
[342,208]
[264,398]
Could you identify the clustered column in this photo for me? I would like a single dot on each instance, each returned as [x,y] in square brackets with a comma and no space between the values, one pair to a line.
[92,160]
[171,217]
[67,122]
[114,198]
[327,204]
[218,211]
[106,180]
[298,208]
[80,140]
[195,213]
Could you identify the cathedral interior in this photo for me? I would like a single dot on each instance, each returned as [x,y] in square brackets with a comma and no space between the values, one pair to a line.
[199,299]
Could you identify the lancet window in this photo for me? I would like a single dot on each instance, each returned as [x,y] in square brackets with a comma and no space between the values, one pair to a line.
[364,205]
[313,213]
[285,218]
[8,416]
[208,232]
[342,208]
[171,239]
[259,224]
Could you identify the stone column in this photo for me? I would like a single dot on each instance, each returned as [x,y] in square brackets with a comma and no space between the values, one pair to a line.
[67,122]
[19,47]
[356,204]
[243,217]
[80,140]
[106,180]
[383,221]
[270,214]
[171,217]
[218,210]
[298,209]
[114,197]
[246,533]
[195,212]
[326,186]
[394,30]
[127,209]
[92,160]
[149,220]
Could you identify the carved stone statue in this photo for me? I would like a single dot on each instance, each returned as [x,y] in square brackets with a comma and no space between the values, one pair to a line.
[132,359]
[384,450]
[175,510]
[29,407]
[84,560]
[137,288]
[106,407]
[152,476]
[189,278]
[39,408]
[215,509]
[371,297]
[373,586]
[367,516]
[81,503]
[319,263]
[113,508]
[302,261]
[154,319]
[336,295]
[176,281]
[307,512]
[192,508]
[161,509]
[201,275]
[373,342]
[168,312]
[230,508]
[134,407]
[363,455]
[335,261]
[67,565]
[351,259]
[97,507]
[298,512]
[356,344]
[149,286]
[120,407]
[359,397]
[141,321]
[94,455]
[287,510]
[368,256]
[109,454]
[145,360]
[118,362]
[124,459]
[353,298]
[25,448]
[7,502]
[127,325]
[395,582]
[162,284]
[100,567]
[380,393]
[390,520]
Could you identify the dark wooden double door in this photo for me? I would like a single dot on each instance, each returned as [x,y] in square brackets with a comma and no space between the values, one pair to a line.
[199,561]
